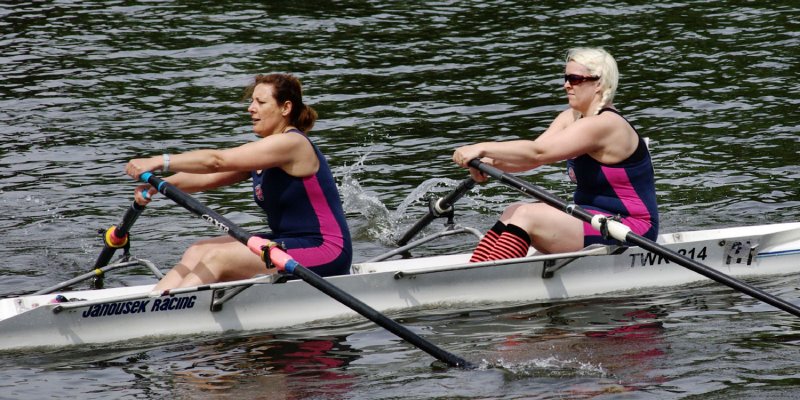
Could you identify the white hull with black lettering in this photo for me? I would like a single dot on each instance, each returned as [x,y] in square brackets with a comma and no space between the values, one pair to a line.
[109,315]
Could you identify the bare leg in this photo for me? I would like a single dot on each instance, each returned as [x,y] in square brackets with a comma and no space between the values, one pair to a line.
[213,260]
[551,230]
[225,262]
[173,278]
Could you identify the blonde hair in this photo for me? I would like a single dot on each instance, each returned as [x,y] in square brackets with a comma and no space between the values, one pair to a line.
[599,63]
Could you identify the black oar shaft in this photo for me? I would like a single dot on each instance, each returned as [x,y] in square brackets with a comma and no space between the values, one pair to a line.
[120,232]
[437,209]
[418,226]
[711,273]
[191,204]
[381,320]
[461,189]
[238,233]
[630,237]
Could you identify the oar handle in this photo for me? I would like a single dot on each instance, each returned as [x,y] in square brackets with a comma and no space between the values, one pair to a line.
[285,262]
[621,232]
[438,208]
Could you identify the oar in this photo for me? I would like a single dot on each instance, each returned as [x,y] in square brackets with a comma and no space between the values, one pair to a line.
[438,208]
[114,238]
[621,232]
[284,262]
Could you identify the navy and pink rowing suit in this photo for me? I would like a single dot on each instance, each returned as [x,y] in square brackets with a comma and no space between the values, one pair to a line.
[625,189]
[305,215]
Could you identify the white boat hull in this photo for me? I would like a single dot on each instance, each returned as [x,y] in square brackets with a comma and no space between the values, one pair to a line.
[118,314]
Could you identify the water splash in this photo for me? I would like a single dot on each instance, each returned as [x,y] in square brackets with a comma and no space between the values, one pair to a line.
[551,366]
[382,224]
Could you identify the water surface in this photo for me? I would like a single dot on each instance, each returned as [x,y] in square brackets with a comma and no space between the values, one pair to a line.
[85,86]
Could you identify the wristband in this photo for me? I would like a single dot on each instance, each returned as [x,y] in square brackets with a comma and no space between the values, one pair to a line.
[165,168]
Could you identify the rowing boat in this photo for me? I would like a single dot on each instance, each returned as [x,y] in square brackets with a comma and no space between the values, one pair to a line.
[266,303]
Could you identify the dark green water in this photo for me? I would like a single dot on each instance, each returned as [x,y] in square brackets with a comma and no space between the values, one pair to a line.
[84,86]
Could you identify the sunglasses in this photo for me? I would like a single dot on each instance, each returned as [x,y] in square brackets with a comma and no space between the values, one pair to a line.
[575,80]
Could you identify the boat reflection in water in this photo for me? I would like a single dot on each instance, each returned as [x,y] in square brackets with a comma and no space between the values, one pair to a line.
[266,366]
[624,341]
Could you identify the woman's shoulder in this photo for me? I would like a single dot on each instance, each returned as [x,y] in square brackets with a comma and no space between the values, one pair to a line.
[285,146]
[609,117]
[291,138]
[569,115]
[564,119]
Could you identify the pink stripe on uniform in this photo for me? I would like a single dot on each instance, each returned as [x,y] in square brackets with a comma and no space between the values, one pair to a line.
[332,241]
[639,219]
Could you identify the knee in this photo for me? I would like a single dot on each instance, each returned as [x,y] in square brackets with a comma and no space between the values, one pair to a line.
[200,255]
[511,210]
[212,258]
[209,266]
[521,213]
[192,256]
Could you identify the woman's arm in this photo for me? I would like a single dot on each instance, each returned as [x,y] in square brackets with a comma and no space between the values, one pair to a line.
[191,183]
[564,139]
[292,152]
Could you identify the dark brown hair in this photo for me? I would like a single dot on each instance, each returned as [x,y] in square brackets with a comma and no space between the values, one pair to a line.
[287,88]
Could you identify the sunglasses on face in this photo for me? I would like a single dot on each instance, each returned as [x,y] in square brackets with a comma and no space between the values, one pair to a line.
[575,80]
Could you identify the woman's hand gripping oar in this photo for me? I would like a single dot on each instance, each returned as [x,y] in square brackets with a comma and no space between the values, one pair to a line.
[284,262]
[623,233]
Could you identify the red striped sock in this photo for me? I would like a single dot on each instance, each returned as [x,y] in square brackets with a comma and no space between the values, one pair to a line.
[481,253]
[512,243]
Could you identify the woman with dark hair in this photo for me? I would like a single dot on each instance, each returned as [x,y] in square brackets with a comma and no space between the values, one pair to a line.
[291,181]
[606,158]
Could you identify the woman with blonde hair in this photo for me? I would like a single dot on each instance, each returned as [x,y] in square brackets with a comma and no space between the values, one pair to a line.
[606,158]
